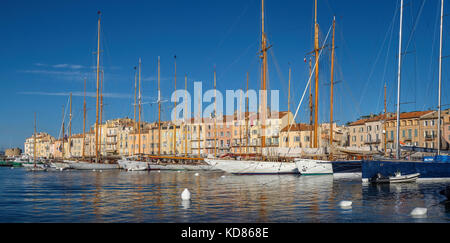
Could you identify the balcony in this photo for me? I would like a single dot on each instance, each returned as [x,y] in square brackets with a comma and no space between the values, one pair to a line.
[430,137]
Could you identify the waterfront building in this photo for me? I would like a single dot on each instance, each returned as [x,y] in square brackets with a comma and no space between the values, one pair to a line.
[298,136]
[44,142]
[428,129]
[11,152]
[410,129]
[446,127]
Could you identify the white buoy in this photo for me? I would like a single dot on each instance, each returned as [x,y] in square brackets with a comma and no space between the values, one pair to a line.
[186,195]
[60,169]
[223,176]
[100,170]
[196,174]
[419,212]
[345,204]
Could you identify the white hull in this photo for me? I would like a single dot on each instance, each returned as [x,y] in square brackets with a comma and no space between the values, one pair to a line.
[92,166]
[60,165]
[314,167]
[133,165]
[253,166]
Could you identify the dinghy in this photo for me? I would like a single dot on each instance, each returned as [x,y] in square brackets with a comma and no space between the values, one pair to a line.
[397,178]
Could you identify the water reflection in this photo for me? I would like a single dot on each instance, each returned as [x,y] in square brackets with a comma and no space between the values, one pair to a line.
[142,196]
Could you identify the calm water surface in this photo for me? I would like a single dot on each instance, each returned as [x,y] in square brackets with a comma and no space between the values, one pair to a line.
[119,196]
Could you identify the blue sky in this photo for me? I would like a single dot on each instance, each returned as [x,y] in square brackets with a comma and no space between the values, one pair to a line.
[47,49]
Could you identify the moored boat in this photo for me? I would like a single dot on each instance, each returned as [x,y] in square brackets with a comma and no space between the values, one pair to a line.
[245,167]
[397,178]
[314,167]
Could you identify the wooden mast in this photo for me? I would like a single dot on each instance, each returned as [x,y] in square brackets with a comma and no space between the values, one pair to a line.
[63,132]
[264,49]
[175,122]
[215,115]
[140,109]
[199,126]
[70,127]
[316,98]
[289,104]
[34,141]
[185,116]
[134,119]
[310,109]
[101,115]
[246,120]
[440,82]
[385,118]
[331,92]
[84,120]
[98,74]
[240,125]
[159,109]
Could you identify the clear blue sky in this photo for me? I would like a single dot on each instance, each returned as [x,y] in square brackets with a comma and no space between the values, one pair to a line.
[47,48]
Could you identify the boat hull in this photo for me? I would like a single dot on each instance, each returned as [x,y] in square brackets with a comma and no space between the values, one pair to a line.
[92,166]
[133,165]
[314,167]
[244,167]
[427,170]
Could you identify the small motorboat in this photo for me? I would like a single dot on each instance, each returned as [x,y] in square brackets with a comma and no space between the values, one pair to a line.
[397,178]
[446,192]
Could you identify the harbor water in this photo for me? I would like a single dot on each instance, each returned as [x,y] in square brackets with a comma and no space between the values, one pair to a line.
[216,197]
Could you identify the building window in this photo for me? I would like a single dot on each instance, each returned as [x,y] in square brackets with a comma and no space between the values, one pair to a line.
[415,132]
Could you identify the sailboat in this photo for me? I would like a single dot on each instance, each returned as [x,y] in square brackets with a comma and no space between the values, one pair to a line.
[262,164]
[313,166]
[97,165]
[434,169]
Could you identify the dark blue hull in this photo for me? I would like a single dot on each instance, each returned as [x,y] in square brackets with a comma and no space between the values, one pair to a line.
[428,170]
[347,166]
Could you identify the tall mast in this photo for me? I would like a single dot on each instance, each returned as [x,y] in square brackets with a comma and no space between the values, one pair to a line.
[331,92]
[385,118]
[34,141]
[140,109]
[264,72]
[310,109]
[134,119]
[63,132]
[175,122]
[101,115]
[159,109]
[185,115]
[84,120]
[440,79]
[98,74]
[70,126]
[240,125]
[215,115]
[289,103]
[199,126]
[398,83]
[316,98]
[247,134]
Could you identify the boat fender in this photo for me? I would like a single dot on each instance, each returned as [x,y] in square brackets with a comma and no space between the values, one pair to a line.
[419,211]
[186,195]
[196,174]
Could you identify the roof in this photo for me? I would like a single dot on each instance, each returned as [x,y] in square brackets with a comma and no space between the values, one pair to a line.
[298,127]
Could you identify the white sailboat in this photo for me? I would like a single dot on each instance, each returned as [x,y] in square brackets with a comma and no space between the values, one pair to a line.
[259,165]
[84,165]
[313,166]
